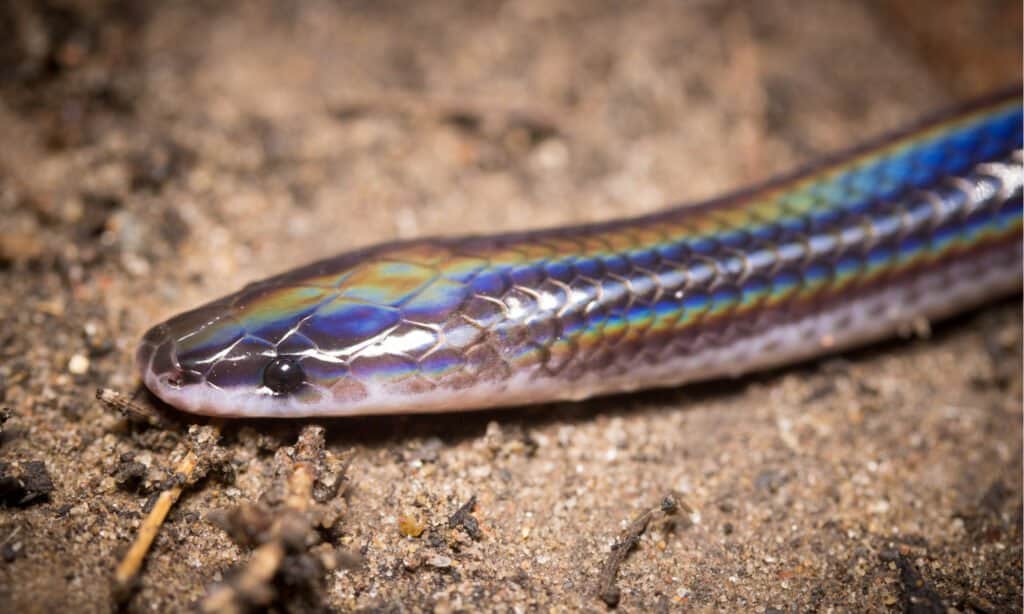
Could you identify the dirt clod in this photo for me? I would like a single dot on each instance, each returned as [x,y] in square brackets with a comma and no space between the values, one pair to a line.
[24,484]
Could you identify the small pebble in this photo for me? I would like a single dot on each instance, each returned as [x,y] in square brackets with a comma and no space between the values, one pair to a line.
[78,365]
[480,472]
[440,562]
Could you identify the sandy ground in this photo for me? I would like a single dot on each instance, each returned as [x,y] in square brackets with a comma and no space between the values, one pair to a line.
[157,156]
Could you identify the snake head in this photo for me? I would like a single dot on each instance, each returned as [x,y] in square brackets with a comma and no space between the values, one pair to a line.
[366,332]
[217,360]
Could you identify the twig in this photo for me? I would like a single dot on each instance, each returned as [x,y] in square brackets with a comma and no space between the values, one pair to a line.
[630,537]
[486,115]
[184,473]
[252,586]
[127,406]
[126,572]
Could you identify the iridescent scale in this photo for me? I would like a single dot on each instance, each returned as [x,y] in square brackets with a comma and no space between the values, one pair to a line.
[920,225]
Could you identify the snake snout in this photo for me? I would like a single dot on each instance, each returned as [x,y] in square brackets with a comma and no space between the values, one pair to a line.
[157,357]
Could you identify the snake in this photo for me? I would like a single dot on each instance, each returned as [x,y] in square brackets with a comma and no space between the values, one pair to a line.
[916,225]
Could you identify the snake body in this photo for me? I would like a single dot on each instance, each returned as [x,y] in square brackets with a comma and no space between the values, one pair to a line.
[920,224]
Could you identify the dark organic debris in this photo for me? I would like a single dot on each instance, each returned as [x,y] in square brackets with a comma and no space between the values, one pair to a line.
[290,531]
[130,474]
[5,415]
[463,518]
[995,496]
[23,484]
[919,597]
[157,166]
[982,518]
[630,537]
[247,524]
[490,118]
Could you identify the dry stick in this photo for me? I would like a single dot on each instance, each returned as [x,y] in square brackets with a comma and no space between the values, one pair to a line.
[606,588]
[260,570]
[128,569]
[266,560]
[132,561]
[487,110]
[129,408]
[300,487]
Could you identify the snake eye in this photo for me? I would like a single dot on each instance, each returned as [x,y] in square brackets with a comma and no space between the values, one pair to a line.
[283,376]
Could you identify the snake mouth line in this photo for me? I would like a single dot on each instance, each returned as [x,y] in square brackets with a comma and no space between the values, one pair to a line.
[158,363]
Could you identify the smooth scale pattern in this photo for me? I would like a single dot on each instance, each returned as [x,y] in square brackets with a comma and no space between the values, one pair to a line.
[920,225]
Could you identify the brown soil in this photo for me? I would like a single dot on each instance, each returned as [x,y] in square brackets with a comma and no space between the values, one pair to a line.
[155,155]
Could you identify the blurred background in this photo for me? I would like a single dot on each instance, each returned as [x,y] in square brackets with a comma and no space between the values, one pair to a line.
[157,154]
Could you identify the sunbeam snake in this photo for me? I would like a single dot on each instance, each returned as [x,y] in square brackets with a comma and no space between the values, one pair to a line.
[920,224]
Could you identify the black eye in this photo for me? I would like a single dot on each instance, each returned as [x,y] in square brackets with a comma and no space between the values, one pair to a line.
[283,375]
